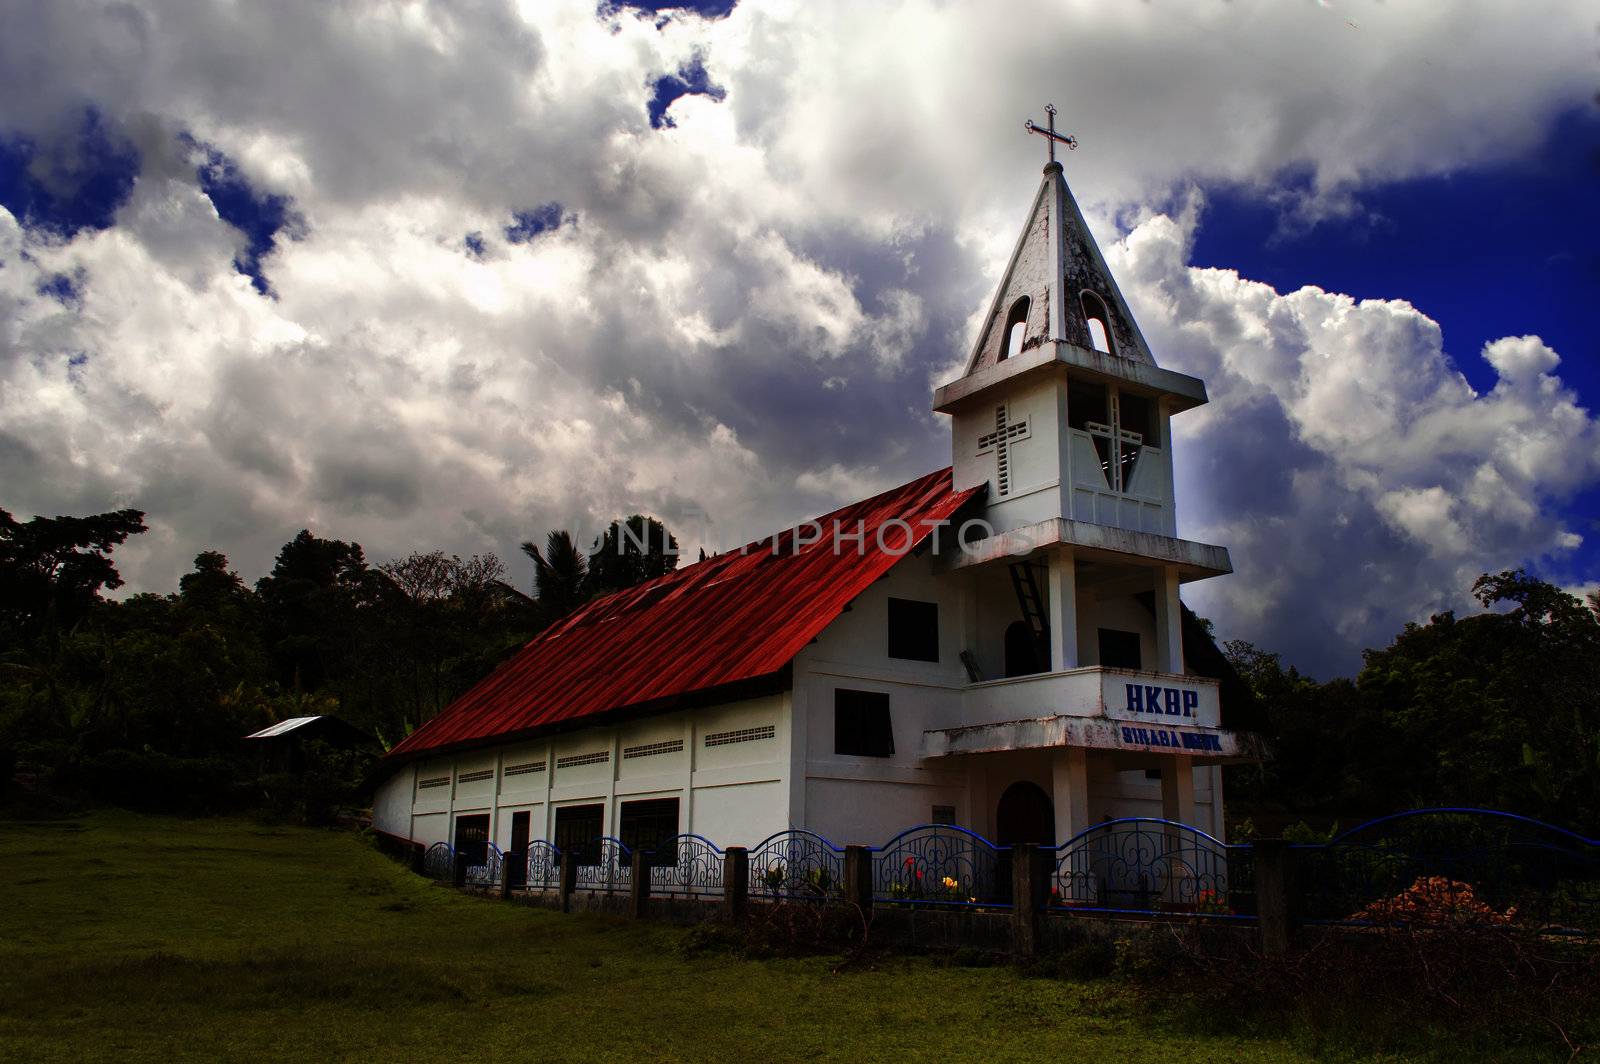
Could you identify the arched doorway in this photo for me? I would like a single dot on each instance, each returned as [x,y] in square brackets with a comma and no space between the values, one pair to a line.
[1026,814]
[1022,650]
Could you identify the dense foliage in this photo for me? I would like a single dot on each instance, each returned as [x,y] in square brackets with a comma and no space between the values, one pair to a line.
[1499,709]
[143,701]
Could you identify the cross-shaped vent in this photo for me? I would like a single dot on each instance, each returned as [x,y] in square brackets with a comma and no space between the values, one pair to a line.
[999,441]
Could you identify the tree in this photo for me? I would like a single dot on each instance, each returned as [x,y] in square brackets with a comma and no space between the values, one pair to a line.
[630,553]
[560,575]
[52,569]
[312,603]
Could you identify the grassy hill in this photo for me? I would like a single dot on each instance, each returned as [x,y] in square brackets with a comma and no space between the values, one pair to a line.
[135,938]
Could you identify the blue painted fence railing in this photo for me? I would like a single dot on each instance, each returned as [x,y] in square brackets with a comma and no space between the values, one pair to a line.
[1453,864]
[685,866]
[439,862]
[1420,865]
[1142,865]
[796,864]
[941,864]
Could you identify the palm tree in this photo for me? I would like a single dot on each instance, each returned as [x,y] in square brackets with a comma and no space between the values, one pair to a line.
[559,574]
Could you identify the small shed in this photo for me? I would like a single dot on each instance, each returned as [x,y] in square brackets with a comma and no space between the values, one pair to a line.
[282,745]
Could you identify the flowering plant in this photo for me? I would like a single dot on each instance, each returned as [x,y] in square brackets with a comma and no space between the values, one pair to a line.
[1211,903]
[1435,901]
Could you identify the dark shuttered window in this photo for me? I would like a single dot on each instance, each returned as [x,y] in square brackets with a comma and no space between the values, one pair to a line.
[861,725]
[913,630]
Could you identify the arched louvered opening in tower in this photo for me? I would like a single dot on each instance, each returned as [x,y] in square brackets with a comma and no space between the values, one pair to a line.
[1016,330]
[1098,321]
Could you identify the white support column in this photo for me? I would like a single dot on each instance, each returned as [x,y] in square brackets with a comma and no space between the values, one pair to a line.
[1219,826]
[1169,622]
[1177,790]
[795,703]
[1069,779]
[1063,610]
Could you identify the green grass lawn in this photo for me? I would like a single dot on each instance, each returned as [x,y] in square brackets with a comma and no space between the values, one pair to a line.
[136,938]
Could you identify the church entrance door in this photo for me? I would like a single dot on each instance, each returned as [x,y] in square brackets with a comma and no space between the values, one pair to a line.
[1026,814]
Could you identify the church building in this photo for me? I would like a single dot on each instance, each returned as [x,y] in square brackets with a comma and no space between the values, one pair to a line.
[999,644]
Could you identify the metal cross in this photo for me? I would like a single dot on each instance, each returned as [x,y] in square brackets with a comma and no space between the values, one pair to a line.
[999,441]
[1050,134]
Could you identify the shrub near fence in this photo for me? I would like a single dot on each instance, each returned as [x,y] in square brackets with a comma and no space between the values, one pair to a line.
[1468,863]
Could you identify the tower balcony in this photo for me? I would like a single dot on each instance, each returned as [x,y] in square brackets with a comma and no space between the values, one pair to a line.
[1131,711]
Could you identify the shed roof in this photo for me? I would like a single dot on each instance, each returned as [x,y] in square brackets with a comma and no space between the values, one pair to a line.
[283,727]
[735,617]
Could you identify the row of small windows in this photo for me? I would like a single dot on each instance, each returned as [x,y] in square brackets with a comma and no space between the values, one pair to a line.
[1095,316]
[667,746]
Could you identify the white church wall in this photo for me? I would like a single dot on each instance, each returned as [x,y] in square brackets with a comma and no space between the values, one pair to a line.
[392,802]
[475,781]
[870,798]
[1122,613]
[430,828]
[741,814]
[1032,492]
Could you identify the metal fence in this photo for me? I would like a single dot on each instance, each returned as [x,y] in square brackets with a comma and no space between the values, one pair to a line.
[1143,865]
[1453,865]
[796,864]
[1421,866]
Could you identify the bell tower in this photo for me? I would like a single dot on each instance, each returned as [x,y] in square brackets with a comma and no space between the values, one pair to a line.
[1062,409]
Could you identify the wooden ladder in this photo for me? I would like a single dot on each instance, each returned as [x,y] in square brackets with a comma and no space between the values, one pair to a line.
[1032,604]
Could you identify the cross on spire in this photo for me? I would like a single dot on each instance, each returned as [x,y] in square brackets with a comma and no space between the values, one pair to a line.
[999,441]
[1050,135]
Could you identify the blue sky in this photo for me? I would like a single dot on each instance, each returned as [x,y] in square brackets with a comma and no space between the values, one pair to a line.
[1485,251]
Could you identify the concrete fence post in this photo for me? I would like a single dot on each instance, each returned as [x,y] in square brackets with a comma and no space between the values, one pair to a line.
[569,880]
[1028,898]
[858,878]
[638,885]
[1275,909]
[458,870]
[735,881]
[509,863]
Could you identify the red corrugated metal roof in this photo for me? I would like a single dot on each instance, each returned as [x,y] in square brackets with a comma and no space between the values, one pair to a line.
[736,617]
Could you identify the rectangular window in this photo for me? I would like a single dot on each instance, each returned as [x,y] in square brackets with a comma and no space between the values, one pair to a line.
[578,833]
[1119,650]
[861,725]
[649,824]
[913,630]
[472,838]
[943,814]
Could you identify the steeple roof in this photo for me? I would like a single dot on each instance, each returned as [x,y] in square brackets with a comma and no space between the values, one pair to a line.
[1058,287]
[1054,265]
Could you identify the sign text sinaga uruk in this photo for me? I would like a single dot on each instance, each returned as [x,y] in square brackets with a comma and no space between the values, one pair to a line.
[1164,701]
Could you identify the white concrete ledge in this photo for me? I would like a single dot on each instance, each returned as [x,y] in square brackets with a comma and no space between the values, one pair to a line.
[1195,561]
[1058,356]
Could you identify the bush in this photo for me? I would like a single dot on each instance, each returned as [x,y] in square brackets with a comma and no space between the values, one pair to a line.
[1089,960]
[156,782]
